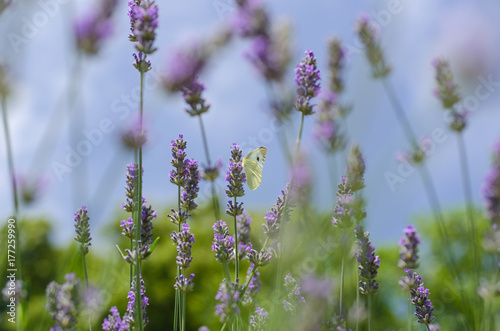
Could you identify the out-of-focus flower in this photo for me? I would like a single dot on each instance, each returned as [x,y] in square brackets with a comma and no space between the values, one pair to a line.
[184,65]
[251,18]
[491,193]
[258,321]
[373,51]
[229,298]
[316,287]
[211,173]
[191,92]
[270,53]
[134,135]
[93,27]
[143,24]
[336,59]
[279,214]
[302,179]
[447,92]
[63,301]
[14,289]
[253,288]
[327,129]
[295,300]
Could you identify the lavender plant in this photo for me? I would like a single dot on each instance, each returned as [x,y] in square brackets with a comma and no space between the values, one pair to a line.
[185,175]
[63,302]
[83,237]
[447,93]
[235,178]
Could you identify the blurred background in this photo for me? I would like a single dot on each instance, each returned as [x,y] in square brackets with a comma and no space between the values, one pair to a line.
[49,81]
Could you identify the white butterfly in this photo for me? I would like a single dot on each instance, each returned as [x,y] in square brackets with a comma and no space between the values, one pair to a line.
[252,164]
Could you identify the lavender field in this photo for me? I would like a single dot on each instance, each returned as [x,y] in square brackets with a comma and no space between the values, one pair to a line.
[249,165]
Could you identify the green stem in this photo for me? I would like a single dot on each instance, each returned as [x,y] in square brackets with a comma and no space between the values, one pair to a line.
[431,193]
[399,112]
[15,201]
[369,312]
[183,310]
[138,267]
[236,256]
[87,285]
[299,137]
[410,324]
[341,284]
[468,197]
[131,267]
[225,270]
[357,299]
[215,200]
[177,309]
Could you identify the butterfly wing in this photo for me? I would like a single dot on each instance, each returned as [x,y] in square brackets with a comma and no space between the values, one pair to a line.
[258,156]
[253,164]
[253,172]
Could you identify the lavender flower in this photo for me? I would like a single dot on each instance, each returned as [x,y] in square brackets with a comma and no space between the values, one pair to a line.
[134,135]
[408,257]
[302,179]
[92,28]
[179,173]
[130,314]
[260,259]
[191,93]
[277,215]
[15,289]
[491,193]
[447,93]
[190,189]
[243,222]
[114,322]
[235,178]
[337,323]
[270,53]
[336,59]
[307,78]
[355,169]
[82,229]
[295,300]
[63,301]
[317,287]
[491,189]
[327,129]
[128,228]
[211,173]
[31,189]
[446,89]
[132,177]
[229,298]
[258,321]
[249,297]
[251,19]
[368,262]
[369,37]
[143,23]
[349,208]
[147,216]
[183,240]
[183,283]
[223,243]
[417,153]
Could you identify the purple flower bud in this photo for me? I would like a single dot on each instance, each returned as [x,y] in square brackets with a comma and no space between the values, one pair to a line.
[63,302]
[143,23]
[295,300]
[82,228]
[307,78]
[258,321]
[368,262]
[129,316]
[114,322]
[229,298]
[223,243]
[408,257]
[369,37]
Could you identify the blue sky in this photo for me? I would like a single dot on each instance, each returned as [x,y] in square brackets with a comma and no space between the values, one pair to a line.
[412,33]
